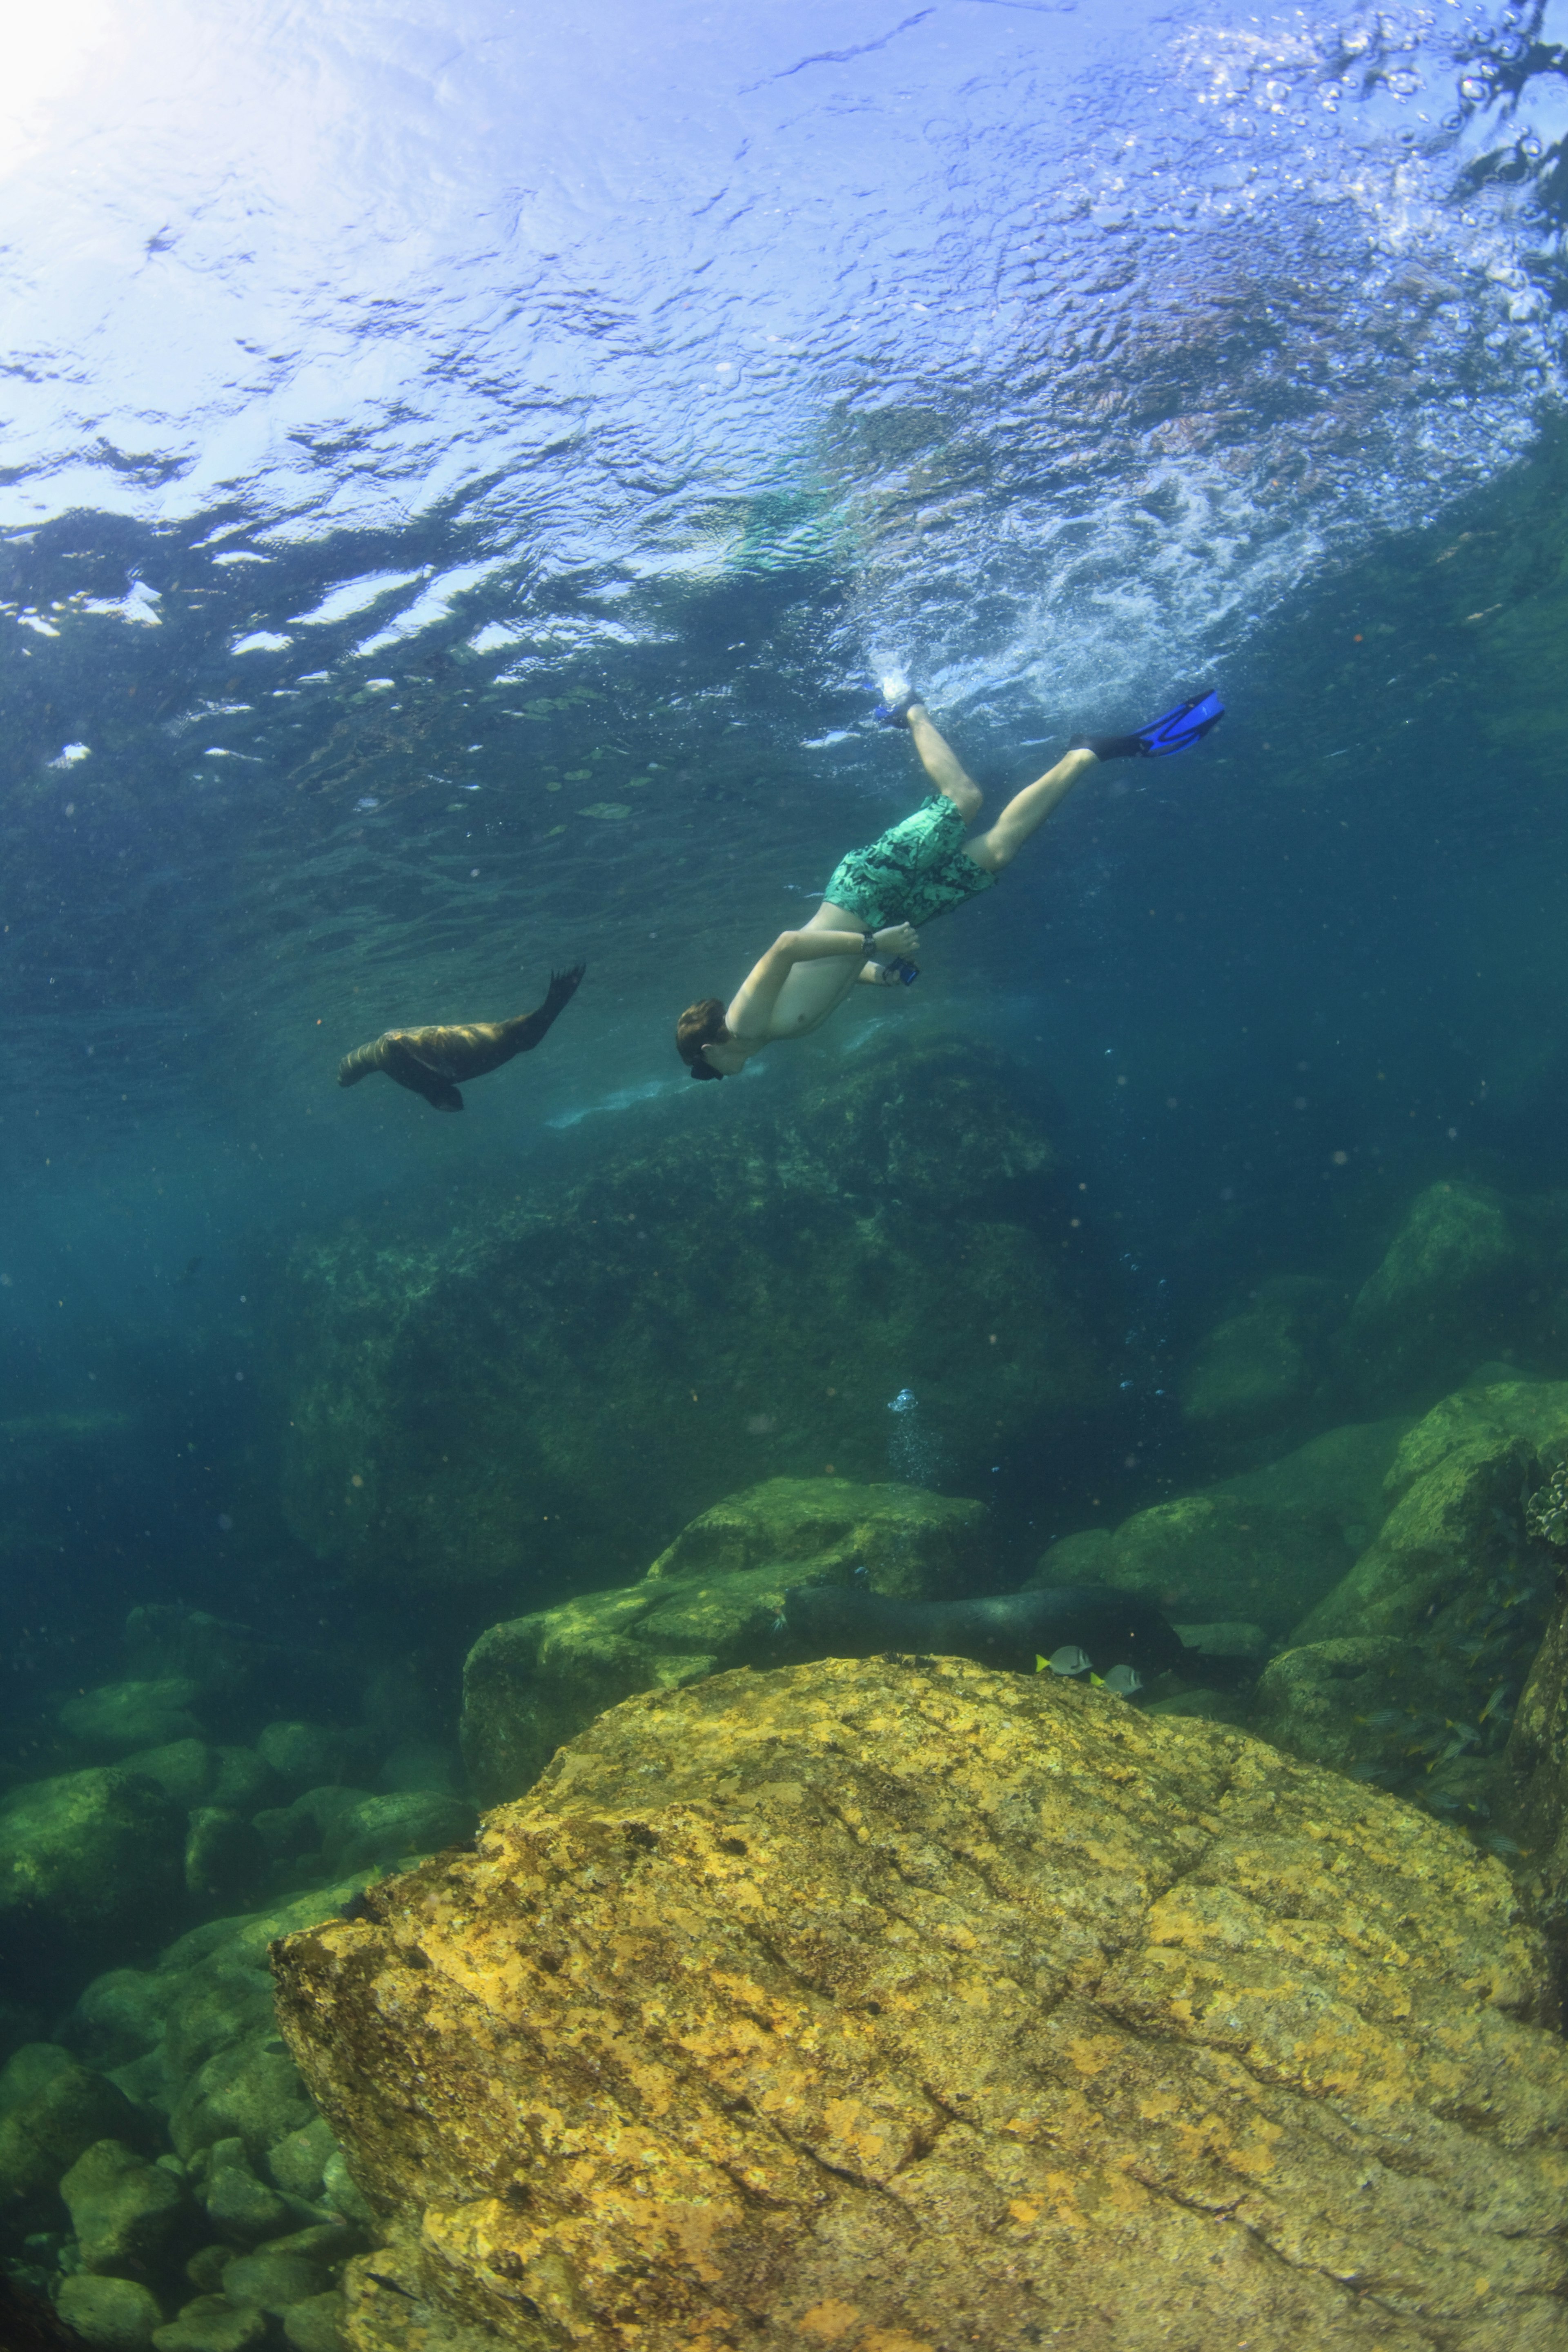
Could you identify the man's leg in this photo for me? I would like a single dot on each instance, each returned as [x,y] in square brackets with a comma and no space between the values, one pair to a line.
[1027,811]
[943,765]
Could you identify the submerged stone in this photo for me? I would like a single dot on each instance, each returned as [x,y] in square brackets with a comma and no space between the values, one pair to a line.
[89,1862]
[118,1717]
[1264,1547]
[125,2211]
[111,2315]
[713,1600]
[1257,1369]
[900,2003]
[900,1233]
[1448,1290]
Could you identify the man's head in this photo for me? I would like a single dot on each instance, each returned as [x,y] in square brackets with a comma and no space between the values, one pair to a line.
[701,1025]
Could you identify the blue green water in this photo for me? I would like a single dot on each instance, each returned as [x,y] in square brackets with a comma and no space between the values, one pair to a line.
[462,471]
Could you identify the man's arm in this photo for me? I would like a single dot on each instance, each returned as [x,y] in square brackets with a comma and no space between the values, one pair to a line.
[750,1012]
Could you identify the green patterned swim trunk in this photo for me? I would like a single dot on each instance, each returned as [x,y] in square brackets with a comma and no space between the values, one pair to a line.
[916,869]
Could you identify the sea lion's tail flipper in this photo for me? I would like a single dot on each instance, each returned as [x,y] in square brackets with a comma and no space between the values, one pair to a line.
[525,1032]
[563,988]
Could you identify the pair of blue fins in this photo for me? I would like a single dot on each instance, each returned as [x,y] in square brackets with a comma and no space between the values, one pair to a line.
[1174,731]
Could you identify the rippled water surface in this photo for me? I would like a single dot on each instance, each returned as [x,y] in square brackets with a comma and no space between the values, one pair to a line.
[464,464]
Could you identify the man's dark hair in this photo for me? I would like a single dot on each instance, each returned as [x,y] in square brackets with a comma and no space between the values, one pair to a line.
[701,1025]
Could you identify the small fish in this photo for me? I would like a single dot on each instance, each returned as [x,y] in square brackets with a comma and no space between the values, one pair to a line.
[1068,1660]
[1123,1681]
[1500,1844]
[1498,1698]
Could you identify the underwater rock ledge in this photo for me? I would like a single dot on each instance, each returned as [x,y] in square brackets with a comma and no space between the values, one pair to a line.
[565,1375]
[901,2002]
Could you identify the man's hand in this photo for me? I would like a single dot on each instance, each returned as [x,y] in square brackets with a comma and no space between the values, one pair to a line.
[897,939]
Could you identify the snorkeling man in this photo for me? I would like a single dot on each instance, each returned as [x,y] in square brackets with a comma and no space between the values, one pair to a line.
[867,924]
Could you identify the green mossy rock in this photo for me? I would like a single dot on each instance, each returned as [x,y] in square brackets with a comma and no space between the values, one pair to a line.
[225,1859]
[315,2326]
[248,2091]
[122,2014]
[111,2315]
[184,1770]
[89,1863]
[710,1600]
[52,2109]
[125,2211]
[297,2162]
[270,2281]
[1257,1369]
[119,1717]
[1355,1704]
[387,1829]
[1262,1548]
[1448,1291]
[903,2004]
[311,1755]
[1535,1797]
[237,2203]
[1457,1487]
[562,1372]
[213,2324]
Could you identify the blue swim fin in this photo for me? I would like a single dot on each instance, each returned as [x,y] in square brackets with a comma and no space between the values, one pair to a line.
[1174,731]
[893,710]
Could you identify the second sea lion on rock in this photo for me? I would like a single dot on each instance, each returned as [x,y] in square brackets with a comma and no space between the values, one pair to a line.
[1003,1629]
[430,1061]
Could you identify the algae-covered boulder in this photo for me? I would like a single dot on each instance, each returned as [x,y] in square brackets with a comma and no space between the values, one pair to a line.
[1409,1669]
[713,1600]
[90,1863]
[124,2210]
[901,2003]
[1264,1547]
[110,2315]
[1256,1370]
[1448,1290]
[1457,1487]
[639,1334]
[117,1718]
[1535,1762]
[52,2108]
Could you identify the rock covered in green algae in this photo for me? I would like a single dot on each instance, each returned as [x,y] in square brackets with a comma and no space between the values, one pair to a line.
[1457,1488]
[89,1861]
[1535,1783]
[1409,1669]
[1257,1369]
[52,2108]
[1448,1290]
[567,1369]
[900,2003]
[125,2211]
[711,1601]
[1263,1547]
[111,2315]
[119,1717]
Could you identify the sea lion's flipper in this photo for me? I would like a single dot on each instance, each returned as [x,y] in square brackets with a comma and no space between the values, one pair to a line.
[524,1034]
[442,1095]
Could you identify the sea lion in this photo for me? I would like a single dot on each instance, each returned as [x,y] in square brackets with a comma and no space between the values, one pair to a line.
[1003,1629]
[429,1061]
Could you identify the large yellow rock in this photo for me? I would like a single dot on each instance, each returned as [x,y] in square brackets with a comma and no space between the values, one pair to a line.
[899,2005]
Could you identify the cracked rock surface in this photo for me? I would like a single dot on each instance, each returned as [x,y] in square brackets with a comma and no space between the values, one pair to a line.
[899,2005]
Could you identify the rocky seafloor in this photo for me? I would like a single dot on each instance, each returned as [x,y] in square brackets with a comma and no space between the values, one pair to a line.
[895,2003]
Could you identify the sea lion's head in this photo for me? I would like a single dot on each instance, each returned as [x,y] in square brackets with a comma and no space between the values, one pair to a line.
[701,1025]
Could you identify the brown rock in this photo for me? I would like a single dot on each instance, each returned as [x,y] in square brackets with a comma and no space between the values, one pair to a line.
[897,2006]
